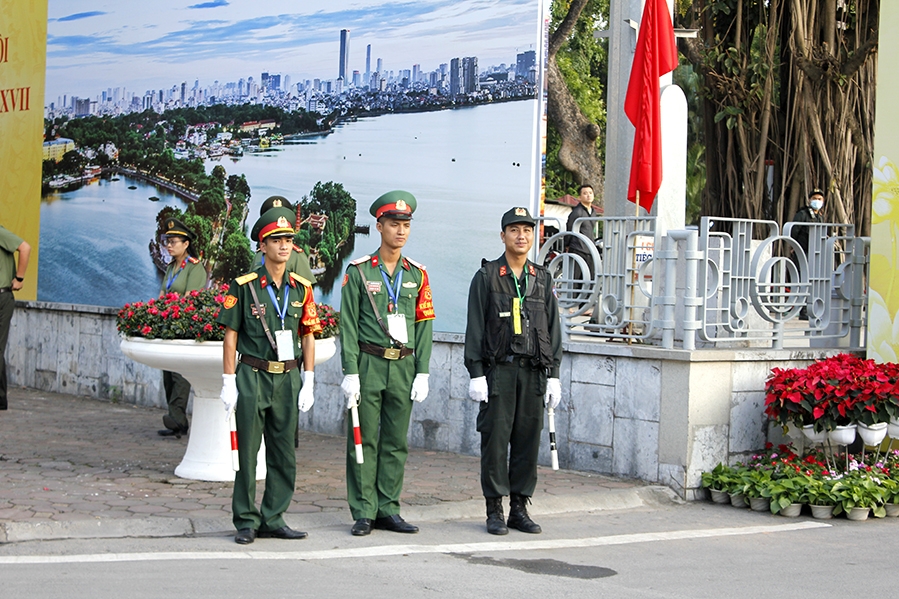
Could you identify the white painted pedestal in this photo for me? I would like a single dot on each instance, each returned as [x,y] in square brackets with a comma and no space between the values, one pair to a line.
[208,455]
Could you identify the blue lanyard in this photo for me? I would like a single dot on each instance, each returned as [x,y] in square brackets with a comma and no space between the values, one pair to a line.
[393,293]
[171,279]
[282,311]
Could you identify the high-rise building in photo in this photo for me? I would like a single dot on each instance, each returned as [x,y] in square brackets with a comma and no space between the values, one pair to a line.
[470,74]
[524,62]
[367,62]
[455,77]
[344,69]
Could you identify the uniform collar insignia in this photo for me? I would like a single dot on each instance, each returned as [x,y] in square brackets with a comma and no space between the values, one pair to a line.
[374,260]
[184,263]
[405,264]
[290,280]
[503,270]
[532,270]
[263,281]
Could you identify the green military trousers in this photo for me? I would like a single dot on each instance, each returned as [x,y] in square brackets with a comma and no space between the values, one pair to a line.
[7,305]
[177,392]
[266,406]
[385,407]
[510,423]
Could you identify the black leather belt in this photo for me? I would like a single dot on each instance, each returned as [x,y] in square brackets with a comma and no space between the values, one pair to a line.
[271,367]
[388,353]
[5,289]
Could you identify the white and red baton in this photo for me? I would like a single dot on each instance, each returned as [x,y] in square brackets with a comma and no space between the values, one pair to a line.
[357,432]
[232,424]
[553,452]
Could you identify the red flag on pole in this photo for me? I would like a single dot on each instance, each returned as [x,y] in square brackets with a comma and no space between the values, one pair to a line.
[655,55]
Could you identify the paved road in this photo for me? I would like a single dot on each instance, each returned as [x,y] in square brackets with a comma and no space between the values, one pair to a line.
[694,551]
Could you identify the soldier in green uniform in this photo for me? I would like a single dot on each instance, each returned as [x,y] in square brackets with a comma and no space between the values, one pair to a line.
[513,349]
[298,261]
[392,356]
[12,276]
[183,275]
[268,313]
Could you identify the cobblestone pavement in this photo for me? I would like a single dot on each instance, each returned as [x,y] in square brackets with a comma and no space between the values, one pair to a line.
[66,460]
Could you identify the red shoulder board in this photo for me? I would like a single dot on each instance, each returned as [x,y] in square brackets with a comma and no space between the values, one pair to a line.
[297,249]
[193,260]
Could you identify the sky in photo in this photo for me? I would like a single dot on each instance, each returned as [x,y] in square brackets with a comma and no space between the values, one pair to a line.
[94,44]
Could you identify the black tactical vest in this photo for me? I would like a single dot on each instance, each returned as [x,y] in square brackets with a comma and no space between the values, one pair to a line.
[500,341]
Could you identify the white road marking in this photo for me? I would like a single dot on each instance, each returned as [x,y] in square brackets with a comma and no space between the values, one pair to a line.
[388,550]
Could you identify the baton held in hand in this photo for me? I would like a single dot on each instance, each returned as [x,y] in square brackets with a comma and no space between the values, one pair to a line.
[232,424]
[357,431]
[553,452]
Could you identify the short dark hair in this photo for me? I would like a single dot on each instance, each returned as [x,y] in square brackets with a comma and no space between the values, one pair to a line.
[581,188]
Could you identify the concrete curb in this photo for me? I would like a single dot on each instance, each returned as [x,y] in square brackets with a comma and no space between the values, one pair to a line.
[156,527]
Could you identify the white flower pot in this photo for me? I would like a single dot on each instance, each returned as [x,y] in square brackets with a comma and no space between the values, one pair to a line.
[760,504]
[858,513]
[325,349]
[892,509]
[738,500]
[208,454]
[872,435]
[822,512]
[893,428]
[812,435]
[791,511]
[843,435]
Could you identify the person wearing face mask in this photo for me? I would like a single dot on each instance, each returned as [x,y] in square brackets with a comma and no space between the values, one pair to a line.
[810,213]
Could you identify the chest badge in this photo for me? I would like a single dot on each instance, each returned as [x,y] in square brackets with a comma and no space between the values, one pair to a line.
[258,311]
[374,286]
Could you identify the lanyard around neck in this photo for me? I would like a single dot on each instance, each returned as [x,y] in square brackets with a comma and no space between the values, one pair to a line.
[171,279]
[517,288]
[393,293]
[282,310]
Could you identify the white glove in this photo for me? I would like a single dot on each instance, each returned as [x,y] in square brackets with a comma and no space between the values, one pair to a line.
[229,392]
[477,389]
[305,399]
[350,387]
[553,393]
[420,387]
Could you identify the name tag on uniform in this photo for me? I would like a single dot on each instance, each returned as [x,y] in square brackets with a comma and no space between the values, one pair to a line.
[396,324]
[284,341]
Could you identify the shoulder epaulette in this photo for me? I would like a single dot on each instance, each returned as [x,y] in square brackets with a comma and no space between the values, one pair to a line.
[418,265]
[193,260]
[361,260]
[300,279]
[298,249]
[244,279]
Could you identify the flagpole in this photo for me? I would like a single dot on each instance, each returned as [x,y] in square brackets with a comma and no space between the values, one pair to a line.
[630,324]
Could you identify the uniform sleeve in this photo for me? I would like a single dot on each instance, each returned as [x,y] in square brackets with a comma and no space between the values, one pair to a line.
[474,328]
[9,241]
[554,324]
[230,314]
[196,278]
[424,325]
[349,320]
[310,323]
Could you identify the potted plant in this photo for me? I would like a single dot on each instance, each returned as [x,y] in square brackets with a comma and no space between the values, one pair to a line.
[717,482]
[859,493]
[326,339]
[787,494]
[821,498]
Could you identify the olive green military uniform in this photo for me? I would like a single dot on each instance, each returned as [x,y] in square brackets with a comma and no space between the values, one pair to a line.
[511,420]
[267,402]
[385,405]
[181,279]
[9,243]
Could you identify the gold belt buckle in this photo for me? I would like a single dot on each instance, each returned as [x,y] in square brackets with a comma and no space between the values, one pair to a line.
[276,367]
[391,353]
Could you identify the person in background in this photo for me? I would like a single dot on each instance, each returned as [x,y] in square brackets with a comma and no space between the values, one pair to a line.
[513,351]
[183,275]
[298,261]
[810,213]
[12,275]
[588,229]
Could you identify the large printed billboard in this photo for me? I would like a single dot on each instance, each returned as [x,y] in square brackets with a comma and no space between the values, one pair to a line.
[204,109]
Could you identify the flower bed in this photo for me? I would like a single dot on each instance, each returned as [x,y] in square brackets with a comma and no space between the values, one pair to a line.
[841,480]
[192,316]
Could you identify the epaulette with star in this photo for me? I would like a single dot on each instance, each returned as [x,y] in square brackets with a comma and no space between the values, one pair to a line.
[244,279]
[361,260]
[417,265]
[193,260]
[298,249]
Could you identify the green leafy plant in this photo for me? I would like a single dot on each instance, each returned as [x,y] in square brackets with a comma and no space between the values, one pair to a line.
[859,489]
[718,479]
[786,491]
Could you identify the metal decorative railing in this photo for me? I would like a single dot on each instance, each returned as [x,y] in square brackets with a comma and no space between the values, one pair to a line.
[745,284]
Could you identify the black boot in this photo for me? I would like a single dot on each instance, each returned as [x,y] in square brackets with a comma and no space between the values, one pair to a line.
[518,515]
[495,524]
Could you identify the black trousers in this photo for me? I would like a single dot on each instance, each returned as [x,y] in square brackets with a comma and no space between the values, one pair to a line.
[510,423]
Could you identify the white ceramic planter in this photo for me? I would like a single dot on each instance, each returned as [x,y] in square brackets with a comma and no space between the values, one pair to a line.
[843,435]
[791,511]
[822,512]
[858,513]
[325,349]
[812,435]
[208,455]
[874,434]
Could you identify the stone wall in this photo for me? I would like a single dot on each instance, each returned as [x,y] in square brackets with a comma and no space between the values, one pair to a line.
[636,411]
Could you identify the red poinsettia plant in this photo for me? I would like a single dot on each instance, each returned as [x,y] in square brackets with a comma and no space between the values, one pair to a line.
[836,391]
[174,316]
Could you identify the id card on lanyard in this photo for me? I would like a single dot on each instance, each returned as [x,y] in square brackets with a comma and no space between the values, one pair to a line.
[396,322]
[283,338]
